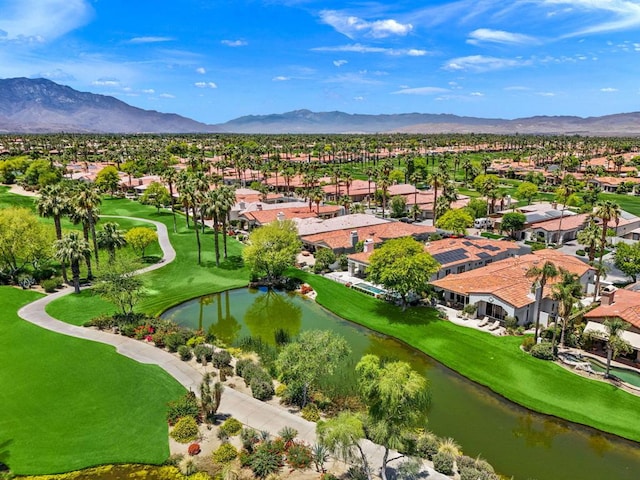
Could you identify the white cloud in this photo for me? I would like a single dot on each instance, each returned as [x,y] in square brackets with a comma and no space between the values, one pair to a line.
[517,88]
[608,89]
[352,26]
[546,94]
[201,70]
[42,20]
[106,82]
[151,39]
[280,78]
[481,63]
[339,63]
[486,35]
[206,85]
[57,75]
[166,95]
[357,78]
[477,94]
[420,91]
[358,98]
[624,14]
[359,48]
[234,43]
[149,91]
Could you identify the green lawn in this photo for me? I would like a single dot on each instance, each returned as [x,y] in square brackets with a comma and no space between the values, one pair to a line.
[68,403]
[180,280]
[496,362]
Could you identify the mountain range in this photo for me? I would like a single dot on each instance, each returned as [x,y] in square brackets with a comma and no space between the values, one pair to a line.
[42,106]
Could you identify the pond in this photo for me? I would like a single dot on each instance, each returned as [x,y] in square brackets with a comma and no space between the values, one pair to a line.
[514,440]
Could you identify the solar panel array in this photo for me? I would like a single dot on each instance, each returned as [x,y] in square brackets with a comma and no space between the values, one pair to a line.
[451,256]
[491,248]
[484,255]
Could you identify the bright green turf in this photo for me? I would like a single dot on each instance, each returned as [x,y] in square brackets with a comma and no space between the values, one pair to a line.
[496,362]
[68,403]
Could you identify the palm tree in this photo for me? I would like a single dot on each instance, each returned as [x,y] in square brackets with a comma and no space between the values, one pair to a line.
[110,238]
[72,249]
[54,202]
[170,177]
[590,237]
[227,201]
[541,275]
[566,293]
[606,210]
[615,343]
[86,204]
[563,192]
[211,207]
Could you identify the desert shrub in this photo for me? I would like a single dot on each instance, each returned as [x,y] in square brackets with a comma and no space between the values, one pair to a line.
[254,371]
[174,340]
[127,330]
[249,438]
[194,449]
[311,413]
[231,427]
[356,472]
[49,285]
[185,353]
[464,461]
[221,358]
[427,445]
[281,390]
[241,365]
[187,466]
[262,389]
[195,341]
[443,463]
[185,430]
[543,350]
[328,476]
[225,453]
[158,338]
[484,466]
[264,461]
[226,371]
[299,456]
[449,445]
[203,352]
[102,322]
[185,406]
[527,343]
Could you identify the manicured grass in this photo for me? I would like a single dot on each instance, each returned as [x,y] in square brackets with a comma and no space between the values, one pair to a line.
[68,403]
[180,280]
[496,362]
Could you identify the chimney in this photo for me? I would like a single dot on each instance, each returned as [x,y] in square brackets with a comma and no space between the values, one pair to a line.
[242,205]
[354,238]
[368,245]
[280,216]
[608,295]
[259,207]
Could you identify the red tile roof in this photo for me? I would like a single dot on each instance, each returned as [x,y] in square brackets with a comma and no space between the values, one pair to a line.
[626,305]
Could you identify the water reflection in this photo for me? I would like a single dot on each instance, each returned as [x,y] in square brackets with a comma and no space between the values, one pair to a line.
[516,441]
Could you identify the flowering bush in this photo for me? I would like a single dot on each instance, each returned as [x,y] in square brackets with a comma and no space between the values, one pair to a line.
[299,456]
[143,331]
[194,449]
[305,289]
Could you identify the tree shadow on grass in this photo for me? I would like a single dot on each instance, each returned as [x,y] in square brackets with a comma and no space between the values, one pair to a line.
[5,455]
[413,315]
[233,262]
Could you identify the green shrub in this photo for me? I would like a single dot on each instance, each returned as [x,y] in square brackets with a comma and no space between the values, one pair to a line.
[173,340]
[185,430]
[49,285]
[527,343]
[225,453]
[249,438]
[510,322]
[241,365]
[185,353]
[195,341]
[203,352]
[443,463]
[299,456]
[543,351]
[281,390]
[262,389]
[187,405]
[310,413]
[254,371]
[158,338]
[580,253]
[264,461]
[102,322]
[221,358]
[231,427]
[427,445]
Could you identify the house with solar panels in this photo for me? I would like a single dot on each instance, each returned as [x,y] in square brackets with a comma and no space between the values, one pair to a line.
[455,255]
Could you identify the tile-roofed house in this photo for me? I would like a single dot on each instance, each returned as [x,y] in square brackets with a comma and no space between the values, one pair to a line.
[359,190]
[611,184]
[261,215]
[344,240]
[312,226]
[557,230]
[455,255]
[623,304]
[502,288]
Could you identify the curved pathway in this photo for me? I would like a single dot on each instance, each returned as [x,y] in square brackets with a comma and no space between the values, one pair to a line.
[248,410]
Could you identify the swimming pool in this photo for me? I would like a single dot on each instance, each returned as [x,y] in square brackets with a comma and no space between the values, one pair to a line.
[626,375]
[368,288]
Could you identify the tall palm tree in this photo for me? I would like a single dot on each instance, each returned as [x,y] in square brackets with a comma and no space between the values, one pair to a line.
[86,203]
[436,179]
[72,249]
[541,275]
[170,176]
[227,201]
[606,210]
[563,193]
[566,293]
[110,238]
[211,207]
[615,343]
[54,202]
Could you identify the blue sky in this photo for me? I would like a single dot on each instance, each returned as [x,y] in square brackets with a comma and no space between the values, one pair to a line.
[214,60]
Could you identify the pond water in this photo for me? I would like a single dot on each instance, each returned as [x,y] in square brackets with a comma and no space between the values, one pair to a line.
[514,440]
